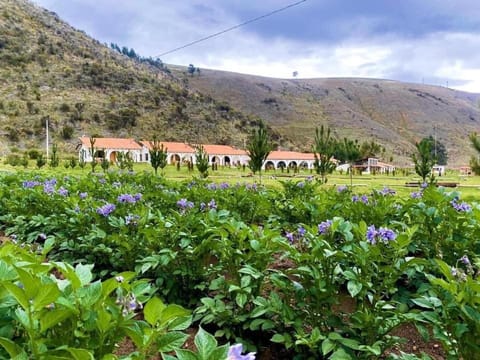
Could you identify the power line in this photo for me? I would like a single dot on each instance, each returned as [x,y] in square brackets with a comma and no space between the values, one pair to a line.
[232,28]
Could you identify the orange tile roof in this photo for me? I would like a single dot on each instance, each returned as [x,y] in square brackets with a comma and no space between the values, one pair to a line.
[111,143]
[290,155]
[172,147]
[222,150]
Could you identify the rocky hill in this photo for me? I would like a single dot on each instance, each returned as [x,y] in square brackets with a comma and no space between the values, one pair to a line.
[393,113]
[49,70]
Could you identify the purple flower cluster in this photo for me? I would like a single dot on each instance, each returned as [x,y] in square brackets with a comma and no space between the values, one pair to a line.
[128,198]
[132,220]
[235,353]
[184,204]
[106,209]
[462,207]
[387,191]
[416,195]
[82,195]
[342,188]
[224,186]
[30,184]
[212,204]
[383,234]
[465,260]
[292,236]
[301,184]
[48,189]
[363,199]
[62,191]
[324,227]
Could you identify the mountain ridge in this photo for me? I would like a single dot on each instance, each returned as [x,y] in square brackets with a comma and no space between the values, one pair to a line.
[50,70]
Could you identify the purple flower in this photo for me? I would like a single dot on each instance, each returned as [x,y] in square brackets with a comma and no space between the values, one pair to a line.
[324,226]
[235,353]
[62,191]
[224,186]
[383,234]
[301,184]
[355,198]
[424,185]
[83,195]
[106,209]
[212,186]
[126,199]
[48,189]
[184,204]
[30,184]
[386,234]
[309,178]
[371,235]
[132,220]
[364,199]
[51,182]
[453,271]
[116,184]
[77,209]
[416,195]
[464,259]
[342,188]
[137,196]
[202,206]
[387,191]
[102,181]
[290,237]
[42,237]
[462,207]
[212,204]
[301,231]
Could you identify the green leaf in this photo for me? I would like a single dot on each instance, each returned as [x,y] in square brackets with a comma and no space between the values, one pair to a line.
[327,346]
[53,317]
[180,323]
[184,354]
[104,321]
[171,341]
[241,299]
[278,338]
[13,349]
[340,354]
[18,294]
[153,310]
[171,313]
[354,287]
[80,354]
[84,273]
[205,343]
[46,296]
[91,293]
[220,353]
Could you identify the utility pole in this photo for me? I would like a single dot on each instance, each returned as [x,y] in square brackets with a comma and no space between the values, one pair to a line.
[46,124]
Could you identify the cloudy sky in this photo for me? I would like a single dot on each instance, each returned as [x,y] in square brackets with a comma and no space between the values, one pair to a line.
[432,41]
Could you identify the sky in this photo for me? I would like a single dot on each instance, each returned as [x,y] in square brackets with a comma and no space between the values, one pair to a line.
[434,42]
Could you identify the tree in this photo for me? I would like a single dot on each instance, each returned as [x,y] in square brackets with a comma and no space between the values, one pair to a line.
[474,163]
[348,152]
[92,153]
[54,160]
[258,149]
[370,149]
[158,155]
[438,150]
[40,161]
[323,150]
[201,160]
[105,163]
[424,160]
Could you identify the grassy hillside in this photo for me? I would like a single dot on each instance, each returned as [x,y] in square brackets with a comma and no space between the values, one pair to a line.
[49,69]
[395,114]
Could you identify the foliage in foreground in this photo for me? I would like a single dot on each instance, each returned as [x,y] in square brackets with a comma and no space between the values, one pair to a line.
[313,273]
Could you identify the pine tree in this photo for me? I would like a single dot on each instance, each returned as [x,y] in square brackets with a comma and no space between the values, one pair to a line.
[258,149]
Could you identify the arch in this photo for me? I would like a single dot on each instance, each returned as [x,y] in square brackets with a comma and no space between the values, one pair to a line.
[99,154]
[174,158]
[215,160]
[269,165]
[304,165]
[292,164]
[187,159]
[281,165]
[226,161]
[113,156]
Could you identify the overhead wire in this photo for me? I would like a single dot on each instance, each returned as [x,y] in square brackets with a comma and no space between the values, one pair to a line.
[231,28]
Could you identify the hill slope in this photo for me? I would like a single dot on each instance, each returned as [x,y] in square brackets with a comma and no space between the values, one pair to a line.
[393,113]
[49,69]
